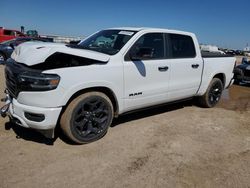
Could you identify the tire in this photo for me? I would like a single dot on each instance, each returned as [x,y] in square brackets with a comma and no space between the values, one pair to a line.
[238,75]
[236,81]
[213,94]
[2,57]
[87,118]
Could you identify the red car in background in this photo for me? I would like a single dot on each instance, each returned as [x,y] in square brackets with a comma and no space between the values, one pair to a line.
[8,34]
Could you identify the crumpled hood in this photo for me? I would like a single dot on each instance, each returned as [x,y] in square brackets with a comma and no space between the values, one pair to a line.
[32,53]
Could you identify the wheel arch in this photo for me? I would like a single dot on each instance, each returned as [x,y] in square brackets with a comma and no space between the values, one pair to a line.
[222,77]
[206,81]
[107,91]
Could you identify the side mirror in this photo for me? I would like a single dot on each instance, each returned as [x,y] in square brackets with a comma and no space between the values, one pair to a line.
[141,53]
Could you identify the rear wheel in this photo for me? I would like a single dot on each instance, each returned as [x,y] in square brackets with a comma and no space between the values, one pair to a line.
[87,118]
[213,94]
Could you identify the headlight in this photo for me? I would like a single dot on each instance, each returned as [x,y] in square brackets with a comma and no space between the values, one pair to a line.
[36,81]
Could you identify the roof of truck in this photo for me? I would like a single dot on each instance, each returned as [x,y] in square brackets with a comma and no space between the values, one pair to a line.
[130,28]
[151,29]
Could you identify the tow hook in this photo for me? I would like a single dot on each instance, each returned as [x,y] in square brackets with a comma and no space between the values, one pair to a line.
[4,110]
[4,99]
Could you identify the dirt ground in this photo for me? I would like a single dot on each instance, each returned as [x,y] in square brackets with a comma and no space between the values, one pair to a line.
[171,146]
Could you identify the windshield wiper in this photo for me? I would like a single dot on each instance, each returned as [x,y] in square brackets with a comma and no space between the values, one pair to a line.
[101,50]
[77,46]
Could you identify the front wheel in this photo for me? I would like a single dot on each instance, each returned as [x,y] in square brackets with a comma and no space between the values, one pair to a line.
[87,118]
[213,94]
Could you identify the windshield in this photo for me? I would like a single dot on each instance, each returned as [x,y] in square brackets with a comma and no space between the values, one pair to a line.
[107,41]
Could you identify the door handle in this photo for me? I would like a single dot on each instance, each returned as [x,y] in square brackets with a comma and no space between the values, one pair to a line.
[163,69]
[195,66]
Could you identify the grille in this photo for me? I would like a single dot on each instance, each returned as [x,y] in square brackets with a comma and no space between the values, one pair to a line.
[12,74]
[246,72]
[11,82]
[12,70]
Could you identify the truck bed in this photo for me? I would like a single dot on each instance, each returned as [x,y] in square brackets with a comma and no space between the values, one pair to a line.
[206,54]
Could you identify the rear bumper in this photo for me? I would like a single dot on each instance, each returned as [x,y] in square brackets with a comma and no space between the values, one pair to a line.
[19,112]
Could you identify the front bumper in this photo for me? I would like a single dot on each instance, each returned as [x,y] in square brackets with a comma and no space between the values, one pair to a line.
[246,79]
[18,112]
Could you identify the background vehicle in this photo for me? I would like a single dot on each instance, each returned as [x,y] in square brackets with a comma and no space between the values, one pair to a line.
[239,52]
[113,71]
[32,33]
[7,47]
[242,72]
[231,52]
[8,34]
[211,48]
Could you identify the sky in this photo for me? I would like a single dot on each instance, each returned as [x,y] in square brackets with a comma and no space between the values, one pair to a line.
[224,23]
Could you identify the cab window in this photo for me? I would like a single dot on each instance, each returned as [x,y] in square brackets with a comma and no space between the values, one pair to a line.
[149,46]
[181,46]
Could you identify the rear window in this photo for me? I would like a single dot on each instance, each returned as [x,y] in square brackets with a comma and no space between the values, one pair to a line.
[181,46]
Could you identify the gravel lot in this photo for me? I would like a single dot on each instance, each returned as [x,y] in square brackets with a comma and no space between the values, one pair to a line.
[171,146]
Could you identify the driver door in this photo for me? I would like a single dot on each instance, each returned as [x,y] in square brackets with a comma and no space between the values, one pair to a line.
[146,77]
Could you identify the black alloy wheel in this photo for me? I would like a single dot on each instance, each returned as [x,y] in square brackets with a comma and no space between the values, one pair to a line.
[212,95]
[215,93]
[87,118]
[90,118]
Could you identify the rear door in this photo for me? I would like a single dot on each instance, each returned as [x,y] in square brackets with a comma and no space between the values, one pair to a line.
[146,81]
[186,67]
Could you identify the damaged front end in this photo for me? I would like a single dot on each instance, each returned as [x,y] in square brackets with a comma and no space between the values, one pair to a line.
[7,100]
[61,60]
[20,78]
[32,73]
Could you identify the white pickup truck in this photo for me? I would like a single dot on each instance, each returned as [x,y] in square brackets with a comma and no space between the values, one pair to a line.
[83,87]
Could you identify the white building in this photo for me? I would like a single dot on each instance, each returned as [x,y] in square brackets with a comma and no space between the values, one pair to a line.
[246,49]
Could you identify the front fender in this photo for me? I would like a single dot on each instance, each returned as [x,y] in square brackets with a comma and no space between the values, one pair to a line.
[91,85]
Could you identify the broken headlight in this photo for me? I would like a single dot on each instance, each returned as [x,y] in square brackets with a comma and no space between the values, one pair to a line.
[36,81]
